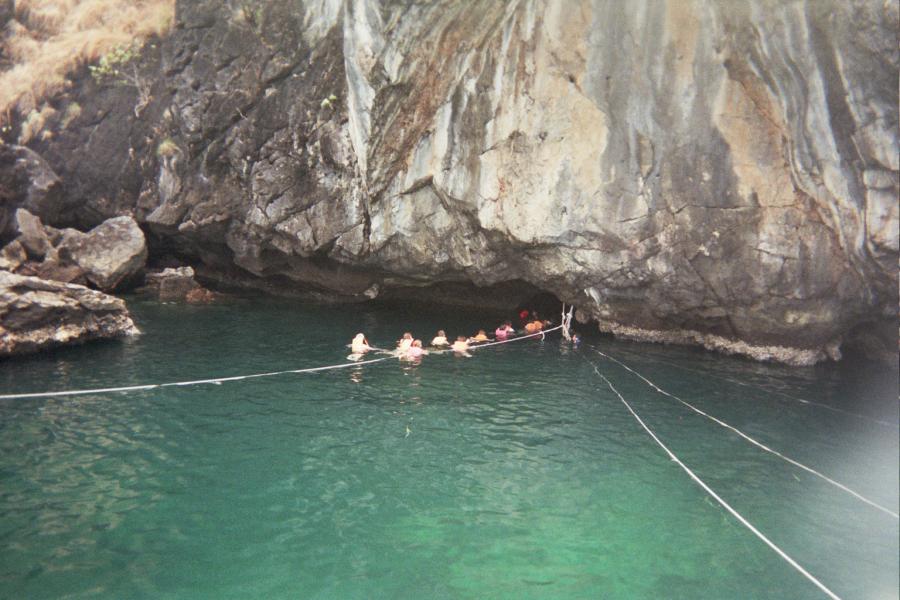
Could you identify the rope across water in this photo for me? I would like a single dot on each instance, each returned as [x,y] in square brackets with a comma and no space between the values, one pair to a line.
[516,339]
[540,334]
[753,441]
[835,409]
[220,380]
[718,499]
[217,380]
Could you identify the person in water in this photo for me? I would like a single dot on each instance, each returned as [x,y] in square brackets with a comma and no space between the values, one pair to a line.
[416,351]
[504,331]
[360,345]
[440,339]
[481,336]
[534,326]
[405,343]
[461,346]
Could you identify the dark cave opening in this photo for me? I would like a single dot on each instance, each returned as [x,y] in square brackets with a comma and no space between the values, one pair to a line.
[505,299]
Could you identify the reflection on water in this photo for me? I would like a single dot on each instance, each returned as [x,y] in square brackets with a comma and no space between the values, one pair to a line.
[514,473]
[356,374]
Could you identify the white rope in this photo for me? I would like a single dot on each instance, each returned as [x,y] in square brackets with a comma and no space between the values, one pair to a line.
[516,339]
[780,393]
[755,442]
[218,380]
[567,321]
[724,504]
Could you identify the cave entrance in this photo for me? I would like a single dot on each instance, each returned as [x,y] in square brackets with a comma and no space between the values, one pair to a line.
[506,298]
[541,304]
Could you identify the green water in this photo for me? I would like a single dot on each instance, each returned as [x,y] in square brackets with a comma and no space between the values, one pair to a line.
[514,474]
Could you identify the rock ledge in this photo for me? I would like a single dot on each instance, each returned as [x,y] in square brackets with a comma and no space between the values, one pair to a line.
[36,314]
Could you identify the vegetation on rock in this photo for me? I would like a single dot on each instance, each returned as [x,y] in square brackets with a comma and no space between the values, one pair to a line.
[47,40]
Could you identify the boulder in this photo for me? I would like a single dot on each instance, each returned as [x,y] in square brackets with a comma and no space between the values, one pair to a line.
[171,284]
[201,295]
[67,273]
[110,254]
[31,234]
[12,256]
[37,314]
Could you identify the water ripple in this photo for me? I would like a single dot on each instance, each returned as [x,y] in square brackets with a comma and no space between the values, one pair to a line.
[512,474]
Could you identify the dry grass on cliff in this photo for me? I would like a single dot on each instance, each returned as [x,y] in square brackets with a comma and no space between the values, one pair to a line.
[49,39]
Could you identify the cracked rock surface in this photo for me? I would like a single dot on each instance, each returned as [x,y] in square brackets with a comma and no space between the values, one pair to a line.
[723,174]
[36,314]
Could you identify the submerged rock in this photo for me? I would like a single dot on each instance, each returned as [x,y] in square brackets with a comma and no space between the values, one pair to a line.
[37,314]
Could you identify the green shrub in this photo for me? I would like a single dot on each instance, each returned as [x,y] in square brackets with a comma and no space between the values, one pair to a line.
[111,66]
[119,67]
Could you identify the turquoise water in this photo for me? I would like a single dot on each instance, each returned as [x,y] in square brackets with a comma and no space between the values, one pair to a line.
[516,473]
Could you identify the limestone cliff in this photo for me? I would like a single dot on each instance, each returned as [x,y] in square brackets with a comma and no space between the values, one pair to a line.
[723,173]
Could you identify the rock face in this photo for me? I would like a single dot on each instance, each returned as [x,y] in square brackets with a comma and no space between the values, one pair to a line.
[36,314]
[706,172]
[26,181]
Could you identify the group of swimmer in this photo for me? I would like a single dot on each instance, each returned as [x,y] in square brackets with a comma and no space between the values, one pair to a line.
[409,348]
